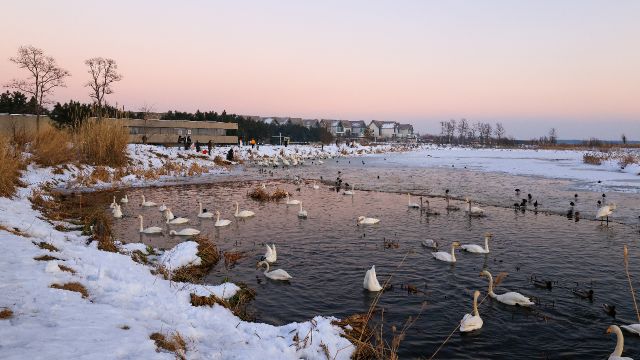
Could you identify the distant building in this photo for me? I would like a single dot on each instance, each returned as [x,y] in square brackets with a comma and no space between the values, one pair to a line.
[358,128]
[339,128]
[405,131]
[153,131]
[310,123]
[384,129]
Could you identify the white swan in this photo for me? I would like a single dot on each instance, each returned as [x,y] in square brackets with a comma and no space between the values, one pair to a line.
[174,220]
[367,220]
[271,255]
[605,211]
[117,212]
[315,186]
[277,274]
[113,203]
[292,202]
[430,243]
[147,203]
[320,162]
[243,213]
[302,213]
[473,210]
[149,230]
[371,281]
[473,248]
[125,199]
[162,207]
[204,215]
[184,232]
[471,322]
[411,205]
[632,328]
[509,298]
[445,256]
[220,223]
[617,352]
[349,192]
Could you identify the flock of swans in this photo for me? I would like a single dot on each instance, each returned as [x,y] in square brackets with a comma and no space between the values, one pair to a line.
[469,322]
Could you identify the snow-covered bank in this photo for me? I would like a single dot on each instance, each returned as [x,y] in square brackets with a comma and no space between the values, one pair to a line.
[126,302]
[557,164]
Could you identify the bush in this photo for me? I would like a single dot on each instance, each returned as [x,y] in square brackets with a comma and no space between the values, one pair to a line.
[103,142]
[10,166]
[593,159]
[52,147]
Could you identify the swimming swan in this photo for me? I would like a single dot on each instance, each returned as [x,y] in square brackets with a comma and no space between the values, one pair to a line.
[411,205]
[149,230]
[220,223]
[174,220]
[617,353]
[315,186]
[147,203]
[205,214]
[605,211]
[349,192]
[509,298]
[471,322]
[445,256]
[117,212]
[271,255]
[162,207]
[277,274]
[430,243]
[371,281]
[243,213]
[292,202]
[473,248]
[113,203]
[302,213]
[473,210]
[184,232]
[367,220]
[125,199]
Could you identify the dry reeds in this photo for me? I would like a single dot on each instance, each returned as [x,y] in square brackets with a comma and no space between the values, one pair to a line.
[53,147]
[45,258]
[73,286]
[101,229]
[626,160]
[10,166]
[260,194]
[66,268]
[592,159]
[103,142]
[5,313]
[626,269]
[175,344]
[232,257]
[45,246]
[237,303]
[208,253]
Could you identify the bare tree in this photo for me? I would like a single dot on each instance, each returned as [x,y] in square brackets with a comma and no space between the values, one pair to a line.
[498,132]
[44,76]
[553,136]
[451,129]
[463,129]
[104,72]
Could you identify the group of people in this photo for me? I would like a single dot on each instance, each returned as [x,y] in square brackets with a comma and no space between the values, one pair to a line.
[186,142]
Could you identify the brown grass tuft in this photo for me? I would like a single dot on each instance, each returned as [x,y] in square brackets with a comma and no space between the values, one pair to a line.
[14,231]
[102,229]
[45,258]
[101,174]
[45,246]
[66,268]
[232,257]
[237,303]
[53,147]
[103,142]
[73,286]
[208,252]
[10,165]
[175,344]
[218,160]
[5,313]
[592,159]
[627,159]
[260,194]
[196,169]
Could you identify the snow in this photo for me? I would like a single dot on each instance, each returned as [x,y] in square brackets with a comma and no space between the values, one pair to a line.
[181,255]
[556,164]
[126,301]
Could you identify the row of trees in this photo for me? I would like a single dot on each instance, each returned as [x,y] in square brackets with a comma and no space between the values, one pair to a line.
[463,132]
[44,75]
[17,103]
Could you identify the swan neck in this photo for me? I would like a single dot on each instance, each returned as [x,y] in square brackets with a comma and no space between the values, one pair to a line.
[453,253]
[486,243]
[490,284]
[141,226]
[475,305]
[619,342]
[237,208]
[267,270]
[200,207]
[217,217]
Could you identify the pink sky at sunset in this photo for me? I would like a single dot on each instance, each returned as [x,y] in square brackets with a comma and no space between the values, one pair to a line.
[574,65]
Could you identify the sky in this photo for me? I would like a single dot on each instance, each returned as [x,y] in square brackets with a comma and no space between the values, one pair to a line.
[532,65]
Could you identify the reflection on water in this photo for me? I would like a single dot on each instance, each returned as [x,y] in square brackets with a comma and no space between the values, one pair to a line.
[328,255]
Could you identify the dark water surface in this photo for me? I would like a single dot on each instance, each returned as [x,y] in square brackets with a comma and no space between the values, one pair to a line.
[327,255]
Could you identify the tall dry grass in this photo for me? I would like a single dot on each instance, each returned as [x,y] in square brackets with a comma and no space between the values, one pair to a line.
[53,147]
[103,142]
[10,166]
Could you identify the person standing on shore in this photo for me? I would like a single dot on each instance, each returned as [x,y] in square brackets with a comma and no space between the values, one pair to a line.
[197,146]
[209,147]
